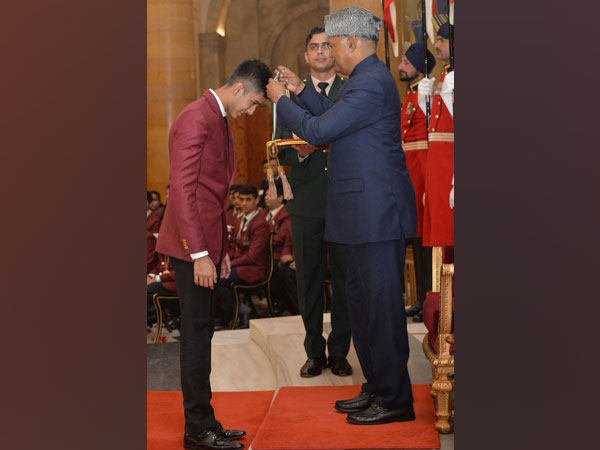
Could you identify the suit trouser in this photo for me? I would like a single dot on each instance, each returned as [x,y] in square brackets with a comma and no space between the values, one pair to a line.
[197,306]
[423,268]
[375,287]
[310,253]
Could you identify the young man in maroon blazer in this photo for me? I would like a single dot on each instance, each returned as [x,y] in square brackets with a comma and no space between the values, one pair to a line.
[194,235]
[249,252]
[283,284]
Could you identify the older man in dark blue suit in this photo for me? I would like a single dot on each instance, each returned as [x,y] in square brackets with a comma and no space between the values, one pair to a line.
[371,206]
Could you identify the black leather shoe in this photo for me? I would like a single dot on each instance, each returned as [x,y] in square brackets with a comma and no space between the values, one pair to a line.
[229,435]
[377,414]
[208,440]
[418,317]
[313,367]
[339,366]
[359,403]
[413,310]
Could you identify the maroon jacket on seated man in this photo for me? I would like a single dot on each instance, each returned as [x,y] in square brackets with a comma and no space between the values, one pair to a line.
[165,271]
[249,255]
[279,221]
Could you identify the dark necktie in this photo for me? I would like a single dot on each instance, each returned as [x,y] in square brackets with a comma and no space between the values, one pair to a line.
[242,227]
[323,85]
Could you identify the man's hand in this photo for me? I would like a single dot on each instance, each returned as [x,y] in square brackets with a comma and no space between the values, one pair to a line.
[293,265]
[226,267]
[205,272]
[286,258]
[303,151]
[291,80]
[150,279]
[275,90]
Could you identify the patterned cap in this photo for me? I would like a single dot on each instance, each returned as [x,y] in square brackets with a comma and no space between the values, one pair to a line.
[355,21]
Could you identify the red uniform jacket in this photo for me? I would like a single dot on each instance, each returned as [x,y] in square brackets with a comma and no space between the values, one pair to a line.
[164,268]
[249,254]
[281,228]
[202,164]
[414,143]
[438,218]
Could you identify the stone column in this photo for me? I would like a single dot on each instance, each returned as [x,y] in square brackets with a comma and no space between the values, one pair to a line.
[211,53]
[171,79]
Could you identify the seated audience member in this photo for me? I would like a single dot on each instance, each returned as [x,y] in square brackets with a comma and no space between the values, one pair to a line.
[161,280]
[233,210]
[283,282]
[151,256]
[264,184]
[248,253]
[153,213]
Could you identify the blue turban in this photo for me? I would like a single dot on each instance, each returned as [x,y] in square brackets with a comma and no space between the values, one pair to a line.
[416,56]
[444,31]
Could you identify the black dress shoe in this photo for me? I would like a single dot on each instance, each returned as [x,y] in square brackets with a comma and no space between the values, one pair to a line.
[377,414]
[340,366]
[313,367]
[413,310]
[208,440]
[418,317]
[359,403]
[229,435]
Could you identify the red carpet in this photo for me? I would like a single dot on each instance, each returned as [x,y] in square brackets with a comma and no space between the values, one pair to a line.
[239,410]
[316,425]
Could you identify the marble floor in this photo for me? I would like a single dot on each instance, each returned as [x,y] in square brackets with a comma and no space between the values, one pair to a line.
[268,356]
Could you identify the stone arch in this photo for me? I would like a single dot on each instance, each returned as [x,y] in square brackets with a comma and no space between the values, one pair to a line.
[296,11]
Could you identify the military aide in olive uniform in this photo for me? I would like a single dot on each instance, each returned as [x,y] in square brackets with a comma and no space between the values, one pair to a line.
[308,178]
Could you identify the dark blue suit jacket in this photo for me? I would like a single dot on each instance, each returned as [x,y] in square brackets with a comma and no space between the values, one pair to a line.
[371,197]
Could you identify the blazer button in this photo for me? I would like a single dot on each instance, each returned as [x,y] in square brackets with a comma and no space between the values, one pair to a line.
[325,168]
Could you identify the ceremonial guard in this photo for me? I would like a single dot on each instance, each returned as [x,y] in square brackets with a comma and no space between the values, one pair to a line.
[308,179]
[412,70]
[438,223]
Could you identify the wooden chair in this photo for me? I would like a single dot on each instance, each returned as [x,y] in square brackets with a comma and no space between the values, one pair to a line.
[266,281]
[156,298]
[410,279]
[439,350]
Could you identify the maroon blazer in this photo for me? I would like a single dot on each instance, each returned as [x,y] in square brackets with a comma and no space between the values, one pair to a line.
[249,255]
[164,268]
[202,165]
[282,243]
[153,221]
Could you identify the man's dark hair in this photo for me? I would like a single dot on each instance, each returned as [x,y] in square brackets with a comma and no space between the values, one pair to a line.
[315,30]
[157,194]
[265,161]
[253,72]
[248,189]
[234,188]
[149,196]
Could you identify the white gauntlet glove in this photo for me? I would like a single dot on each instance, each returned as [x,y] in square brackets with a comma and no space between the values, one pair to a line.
[447,92]
[452,195]
[425,89]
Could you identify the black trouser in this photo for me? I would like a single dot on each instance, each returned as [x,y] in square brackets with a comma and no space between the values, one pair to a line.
[374,286]
[310,253]
[423,268]
[284,289]
[197,306]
